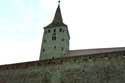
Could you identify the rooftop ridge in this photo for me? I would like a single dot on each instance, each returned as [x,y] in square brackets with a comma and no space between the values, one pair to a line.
[94,51]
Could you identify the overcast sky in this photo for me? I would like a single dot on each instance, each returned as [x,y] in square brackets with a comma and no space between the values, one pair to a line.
[91,23]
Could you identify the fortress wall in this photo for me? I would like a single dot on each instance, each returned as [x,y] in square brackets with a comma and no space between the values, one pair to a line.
[98,68]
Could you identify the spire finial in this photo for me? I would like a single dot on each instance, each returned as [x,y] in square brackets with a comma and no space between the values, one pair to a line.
[59,2]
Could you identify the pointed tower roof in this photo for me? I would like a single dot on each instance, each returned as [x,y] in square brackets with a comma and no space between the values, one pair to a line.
[57,21]
[58,16]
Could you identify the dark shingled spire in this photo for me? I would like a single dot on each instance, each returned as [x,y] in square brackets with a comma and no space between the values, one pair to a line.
[58,16]
[57,21]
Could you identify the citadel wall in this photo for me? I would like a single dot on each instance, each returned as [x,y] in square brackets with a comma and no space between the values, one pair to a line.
[97,68]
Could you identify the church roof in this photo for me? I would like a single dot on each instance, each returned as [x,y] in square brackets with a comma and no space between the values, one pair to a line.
[57,20]
[58,16]
[93,51]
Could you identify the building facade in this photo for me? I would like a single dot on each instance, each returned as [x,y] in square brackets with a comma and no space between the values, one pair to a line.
[55,41]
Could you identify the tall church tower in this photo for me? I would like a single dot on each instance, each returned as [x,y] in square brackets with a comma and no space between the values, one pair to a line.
[55,43]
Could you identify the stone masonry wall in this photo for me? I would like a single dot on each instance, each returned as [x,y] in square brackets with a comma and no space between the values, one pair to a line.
[98,68]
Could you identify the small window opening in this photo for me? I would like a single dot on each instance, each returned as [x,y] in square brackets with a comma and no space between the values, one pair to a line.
[44,40]
[62,48]
[48,31]
[54,38]
[75,60]
[54,30]
[62,39]
[53,57]
[60,30]
[54,47]
[43,50]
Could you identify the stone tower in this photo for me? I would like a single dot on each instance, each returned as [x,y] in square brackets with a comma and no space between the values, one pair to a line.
[55,42]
